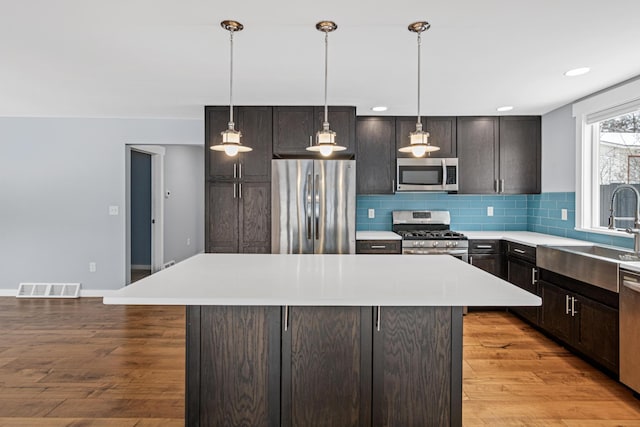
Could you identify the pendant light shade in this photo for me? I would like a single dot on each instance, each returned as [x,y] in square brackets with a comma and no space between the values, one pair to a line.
[419,140]
[231,144]
[326,138]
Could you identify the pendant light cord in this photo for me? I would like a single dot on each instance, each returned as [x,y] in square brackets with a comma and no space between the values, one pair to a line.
[419,44]
[326,70]
[231,80]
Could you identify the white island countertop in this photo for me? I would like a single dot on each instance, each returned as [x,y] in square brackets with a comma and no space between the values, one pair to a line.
[329,280]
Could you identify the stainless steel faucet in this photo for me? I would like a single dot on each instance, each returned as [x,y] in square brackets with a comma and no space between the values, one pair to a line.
[636,219]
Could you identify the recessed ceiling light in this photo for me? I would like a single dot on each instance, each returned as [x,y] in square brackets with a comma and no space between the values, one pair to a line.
[505,108]
[379,108]
[577,71]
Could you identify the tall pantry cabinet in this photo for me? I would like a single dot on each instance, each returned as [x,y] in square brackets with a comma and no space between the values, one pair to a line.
[238,188]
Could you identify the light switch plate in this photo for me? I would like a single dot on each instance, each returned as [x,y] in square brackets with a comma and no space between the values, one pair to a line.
[372,213]
[489,210]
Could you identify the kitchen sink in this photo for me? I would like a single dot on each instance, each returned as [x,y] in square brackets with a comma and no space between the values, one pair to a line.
[597,265]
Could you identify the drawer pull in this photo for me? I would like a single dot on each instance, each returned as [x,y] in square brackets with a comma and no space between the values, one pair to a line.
[378,246]
[519,251]
[566,304]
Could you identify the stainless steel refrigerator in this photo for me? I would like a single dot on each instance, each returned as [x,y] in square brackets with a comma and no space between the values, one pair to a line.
[313,206]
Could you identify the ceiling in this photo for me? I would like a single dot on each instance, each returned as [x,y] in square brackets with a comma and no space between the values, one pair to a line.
[167,59]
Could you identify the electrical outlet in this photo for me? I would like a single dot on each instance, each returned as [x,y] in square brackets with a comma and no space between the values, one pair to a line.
[564,214]
[92,267]
[372,213]
[113,210]
[489,210]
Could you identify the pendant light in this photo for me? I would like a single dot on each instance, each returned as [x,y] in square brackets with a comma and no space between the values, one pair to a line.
[326,138]
[231,137]
[419,140]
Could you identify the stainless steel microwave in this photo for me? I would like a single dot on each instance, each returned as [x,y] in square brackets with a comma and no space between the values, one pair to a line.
[427,174]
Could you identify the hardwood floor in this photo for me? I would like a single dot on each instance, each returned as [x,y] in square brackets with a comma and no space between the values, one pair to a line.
[81,363]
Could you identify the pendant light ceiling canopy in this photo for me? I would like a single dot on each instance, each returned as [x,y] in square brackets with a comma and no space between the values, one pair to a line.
[231,144]
[419,140]
[326,138]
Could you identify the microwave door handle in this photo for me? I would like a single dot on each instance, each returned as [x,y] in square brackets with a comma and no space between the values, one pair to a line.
[444,173]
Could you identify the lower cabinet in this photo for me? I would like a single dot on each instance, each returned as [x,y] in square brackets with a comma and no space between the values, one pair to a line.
[487,256]
[238,217]
[378,246]
[524,275]
[324,366]
[583,323]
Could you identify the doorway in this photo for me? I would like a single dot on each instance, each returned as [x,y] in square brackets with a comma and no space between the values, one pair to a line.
[145,211]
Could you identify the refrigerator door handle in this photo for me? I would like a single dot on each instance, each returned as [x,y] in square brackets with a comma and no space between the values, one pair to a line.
[308,206]
[317,205]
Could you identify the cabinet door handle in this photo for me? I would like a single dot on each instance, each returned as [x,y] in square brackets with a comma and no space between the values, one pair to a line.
[235,190]
[518,251]
[378,246]
[235,170]
[502,185]
[533,276]
[471,260]
[573,306]
[495,186]
[239,170]
[566,304]
[310,140]
[393,185]
[286,318]
[240,191]
[484,246]
[378,320]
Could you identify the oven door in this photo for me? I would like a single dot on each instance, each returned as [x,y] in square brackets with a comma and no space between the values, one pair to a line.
[427,174]
[461,254]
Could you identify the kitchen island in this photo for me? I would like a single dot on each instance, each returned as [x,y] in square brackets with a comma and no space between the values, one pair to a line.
[331,340]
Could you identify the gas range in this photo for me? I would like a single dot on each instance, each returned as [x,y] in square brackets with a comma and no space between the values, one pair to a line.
[428,233]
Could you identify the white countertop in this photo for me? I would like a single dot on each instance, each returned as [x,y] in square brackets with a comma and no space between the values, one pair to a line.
[377,235]
[341,280]
[525,237]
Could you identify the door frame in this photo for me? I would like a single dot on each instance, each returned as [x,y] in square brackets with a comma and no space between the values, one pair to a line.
[157,154]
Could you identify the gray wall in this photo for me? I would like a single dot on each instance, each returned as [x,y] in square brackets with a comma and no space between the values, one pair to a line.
[58,177]
[558,151]
[184,208]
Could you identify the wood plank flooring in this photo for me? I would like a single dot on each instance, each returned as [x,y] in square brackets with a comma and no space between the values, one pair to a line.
[81,363]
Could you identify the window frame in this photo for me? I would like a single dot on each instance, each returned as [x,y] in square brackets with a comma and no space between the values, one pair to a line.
[616,101]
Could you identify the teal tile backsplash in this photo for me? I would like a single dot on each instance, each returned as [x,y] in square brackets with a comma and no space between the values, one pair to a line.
[534,212]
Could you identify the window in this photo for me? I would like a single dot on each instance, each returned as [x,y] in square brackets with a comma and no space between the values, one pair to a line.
[618,146]
[608,156]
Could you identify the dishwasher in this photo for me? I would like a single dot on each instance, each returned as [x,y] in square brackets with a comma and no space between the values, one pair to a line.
[630,329]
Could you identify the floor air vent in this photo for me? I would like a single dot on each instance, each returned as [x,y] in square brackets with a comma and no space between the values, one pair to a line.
[48,290]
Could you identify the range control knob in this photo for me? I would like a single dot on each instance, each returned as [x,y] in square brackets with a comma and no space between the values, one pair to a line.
[434,244]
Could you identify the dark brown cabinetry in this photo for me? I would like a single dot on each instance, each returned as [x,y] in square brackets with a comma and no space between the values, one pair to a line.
[294,129]
[522,272]
[379,246]
[239,217]
[582,322]
[324,366]
[487,255]
[376,154]
[238,189]
[499,154]
[442,133]
[255,124]
[415,370]
[233,366]
[326,369]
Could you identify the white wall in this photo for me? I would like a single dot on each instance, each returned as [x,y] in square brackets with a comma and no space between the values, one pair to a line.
[184,208]
[58,177]
[558,151]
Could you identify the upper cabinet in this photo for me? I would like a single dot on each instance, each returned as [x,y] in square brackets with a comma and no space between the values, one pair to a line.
[375,172]
[294,129]
[442,131]
[520,145]
[255,124]
[499,154]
